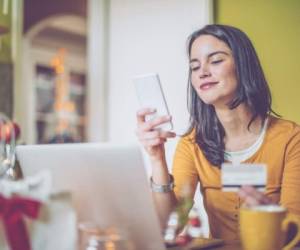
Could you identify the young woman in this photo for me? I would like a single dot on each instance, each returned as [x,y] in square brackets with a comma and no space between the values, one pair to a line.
[230,121]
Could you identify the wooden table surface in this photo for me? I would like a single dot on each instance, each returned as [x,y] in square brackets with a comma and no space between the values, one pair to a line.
[230,245]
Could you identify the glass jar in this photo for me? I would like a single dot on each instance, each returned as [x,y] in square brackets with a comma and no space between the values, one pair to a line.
[7,146]
[93,238]
[86,232]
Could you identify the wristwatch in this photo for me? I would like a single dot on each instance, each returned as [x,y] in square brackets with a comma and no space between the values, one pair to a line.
[162,188]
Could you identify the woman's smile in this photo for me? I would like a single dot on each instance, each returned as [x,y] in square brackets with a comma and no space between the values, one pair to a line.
[207,85]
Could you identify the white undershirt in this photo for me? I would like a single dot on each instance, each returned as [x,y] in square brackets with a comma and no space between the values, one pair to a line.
[242,155]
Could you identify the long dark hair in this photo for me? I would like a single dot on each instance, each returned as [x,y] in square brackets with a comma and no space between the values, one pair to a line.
[252,90]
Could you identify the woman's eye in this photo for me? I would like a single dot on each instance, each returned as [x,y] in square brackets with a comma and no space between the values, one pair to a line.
[217,61]
[195,68]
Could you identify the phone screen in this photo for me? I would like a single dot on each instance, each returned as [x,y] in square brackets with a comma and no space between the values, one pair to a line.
[150,95]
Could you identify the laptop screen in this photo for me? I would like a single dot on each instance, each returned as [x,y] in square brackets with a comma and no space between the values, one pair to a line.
[108,184]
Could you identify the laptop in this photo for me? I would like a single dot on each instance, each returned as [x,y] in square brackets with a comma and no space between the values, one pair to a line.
[108,183]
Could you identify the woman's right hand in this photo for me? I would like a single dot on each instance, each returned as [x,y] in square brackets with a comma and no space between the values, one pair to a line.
[152,139]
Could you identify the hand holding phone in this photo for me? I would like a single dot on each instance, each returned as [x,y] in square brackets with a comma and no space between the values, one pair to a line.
[150,95]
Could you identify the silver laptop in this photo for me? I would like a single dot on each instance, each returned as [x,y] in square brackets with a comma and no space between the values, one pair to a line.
[108,183]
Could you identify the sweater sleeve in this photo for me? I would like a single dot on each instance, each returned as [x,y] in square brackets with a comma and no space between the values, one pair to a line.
[290,188]
[184,169]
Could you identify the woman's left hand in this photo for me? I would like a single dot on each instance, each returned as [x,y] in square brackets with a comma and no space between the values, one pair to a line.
[253,197]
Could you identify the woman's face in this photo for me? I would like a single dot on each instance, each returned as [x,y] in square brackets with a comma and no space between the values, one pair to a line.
[213,70]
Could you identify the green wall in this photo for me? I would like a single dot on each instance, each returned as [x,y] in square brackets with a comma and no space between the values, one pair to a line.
[5,39]
[274,28]
[6,64]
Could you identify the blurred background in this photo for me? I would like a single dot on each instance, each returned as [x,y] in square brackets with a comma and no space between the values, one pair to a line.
[66,66]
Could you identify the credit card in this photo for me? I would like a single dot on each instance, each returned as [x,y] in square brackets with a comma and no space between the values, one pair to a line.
[233,176]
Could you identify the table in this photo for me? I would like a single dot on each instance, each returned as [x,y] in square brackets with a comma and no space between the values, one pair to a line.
[230,245]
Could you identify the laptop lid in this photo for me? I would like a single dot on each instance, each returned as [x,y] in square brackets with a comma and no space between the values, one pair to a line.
[108,184]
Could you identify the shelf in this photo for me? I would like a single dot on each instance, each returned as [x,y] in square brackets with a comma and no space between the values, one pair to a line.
[75,90]
[46,118]
[51,118]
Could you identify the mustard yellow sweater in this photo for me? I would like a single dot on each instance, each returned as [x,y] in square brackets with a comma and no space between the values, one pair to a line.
[280,151]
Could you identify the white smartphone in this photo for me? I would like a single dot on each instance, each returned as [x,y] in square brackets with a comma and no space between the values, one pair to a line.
[150,95]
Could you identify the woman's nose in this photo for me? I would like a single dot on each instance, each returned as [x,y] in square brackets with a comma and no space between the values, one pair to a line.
[204,71]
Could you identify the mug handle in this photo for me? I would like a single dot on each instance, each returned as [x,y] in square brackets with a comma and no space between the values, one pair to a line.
[285,226]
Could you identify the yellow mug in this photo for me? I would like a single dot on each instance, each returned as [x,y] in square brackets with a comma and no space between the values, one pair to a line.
[265,227]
